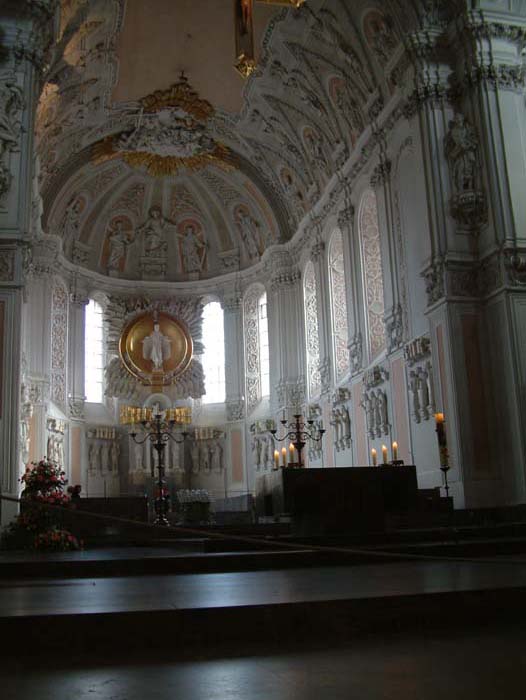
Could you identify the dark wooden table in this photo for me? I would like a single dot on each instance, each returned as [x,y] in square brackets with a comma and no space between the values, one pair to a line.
[337,499]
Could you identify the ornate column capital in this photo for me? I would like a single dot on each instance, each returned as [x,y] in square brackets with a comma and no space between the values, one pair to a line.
[346,216]
[317,250]
[381,173]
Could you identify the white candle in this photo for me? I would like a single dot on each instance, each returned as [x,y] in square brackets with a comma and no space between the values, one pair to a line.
[384,454]
[374,457]
[395,451]
[291,453]
[284,456]
[276,459]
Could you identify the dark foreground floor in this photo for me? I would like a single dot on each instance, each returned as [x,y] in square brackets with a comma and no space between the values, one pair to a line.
[445,665]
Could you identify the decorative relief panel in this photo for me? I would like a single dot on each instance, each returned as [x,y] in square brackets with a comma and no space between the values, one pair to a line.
[59,330]
[422,392]
[374,403]
[340,326]
[372,272]
[310,295]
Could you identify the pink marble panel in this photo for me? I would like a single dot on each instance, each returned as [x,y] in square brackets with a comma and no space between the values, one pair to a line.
[236,450]
[360,428]
[400,422]
[477,394]
[76,455]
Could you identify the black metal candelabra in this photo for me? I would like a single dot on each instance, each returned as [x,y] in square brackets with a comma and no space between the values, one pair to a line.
[298,433]
[159,432]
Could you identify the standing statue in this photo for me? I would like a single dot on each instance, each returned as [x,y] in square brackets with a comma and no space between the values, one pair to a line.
[336,423]
[377,403]
[264,452]
[205,456]
[174,454]
[346,419]
[249,229]
[193,249]
[156,347]
[461,148]
[137,454]
[423,392]
[256,451]
[217,457]
[368,406]
[26,413]
[153,232]
[11,102]
[195,457]
[71,219]
[105,457]
[94,457]
[114,453]
[118,241]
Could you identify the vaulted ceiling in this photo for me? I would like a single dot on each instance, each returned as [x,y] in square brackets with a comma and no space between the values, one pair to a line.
[121,129]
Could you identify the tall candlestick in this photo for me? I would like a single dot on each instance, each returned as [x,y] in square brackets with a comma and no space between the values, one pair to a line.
[384,454]
[374,457]
[284,456]
[276,459]
[395,451]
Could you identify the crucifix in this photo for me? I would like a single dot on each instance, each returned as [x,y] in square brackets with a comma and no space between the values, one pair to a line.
[244,30]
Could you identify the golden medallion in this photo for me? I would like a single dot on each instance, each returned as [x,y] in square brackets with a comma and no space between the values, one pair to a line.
[155,349]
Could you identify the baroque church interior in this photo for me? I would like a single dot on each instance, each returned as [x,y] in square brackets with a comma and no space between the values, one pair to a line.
[232,212]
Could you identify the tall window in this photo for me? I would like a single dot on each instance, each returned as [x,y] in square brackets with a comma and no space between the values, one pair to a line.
[263,345]
[213,358]
[310,296]
[340,328]
[257,375]
[372,274]
[94,354]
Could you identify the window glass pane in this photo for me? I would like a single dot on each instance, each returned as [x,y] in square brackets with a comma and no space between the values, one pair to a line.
[264,367]
[310,299]
[93,359]
[372,274]
[340,330]
[213,358]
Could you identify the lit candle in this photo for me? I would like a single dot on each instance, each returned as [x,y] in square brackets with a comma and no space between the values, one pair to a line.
[284,456]
[395,451]
[439,418]
[291,453]
[374,457]
[384,454]
[276,459]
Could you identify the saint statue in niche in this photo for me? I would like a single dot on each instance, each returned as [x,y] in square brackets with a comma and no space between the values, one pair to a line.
[461,148]
[118,241]
[156,347]
[193,249]
[153,232]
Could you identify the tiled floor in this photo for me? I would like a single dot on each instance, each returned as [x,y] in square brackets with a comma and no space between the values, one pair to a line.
[472,665]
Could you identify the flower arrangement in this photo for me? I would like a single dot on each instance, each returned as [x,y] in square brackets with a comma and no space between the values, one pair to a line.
[39,527]
[56,540]
[42,478]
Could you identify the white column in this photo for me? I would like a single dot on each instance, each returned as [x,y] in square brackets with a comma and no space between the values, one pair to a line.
[26,31]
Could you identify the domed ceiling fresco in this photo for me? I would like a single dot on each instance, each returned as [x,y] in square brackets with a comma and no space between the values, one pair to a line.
[159,161]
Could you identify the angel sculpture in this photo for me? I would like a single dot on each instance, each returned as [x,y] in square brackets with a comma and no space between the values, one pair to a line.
[156,347]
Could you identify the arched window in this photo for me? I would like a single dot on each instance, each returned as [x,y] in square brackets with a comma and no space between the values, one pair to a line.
[263,345]
[213,358]
[310,297]
[94,354]
[372,273]
[257,373]
[340,327]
